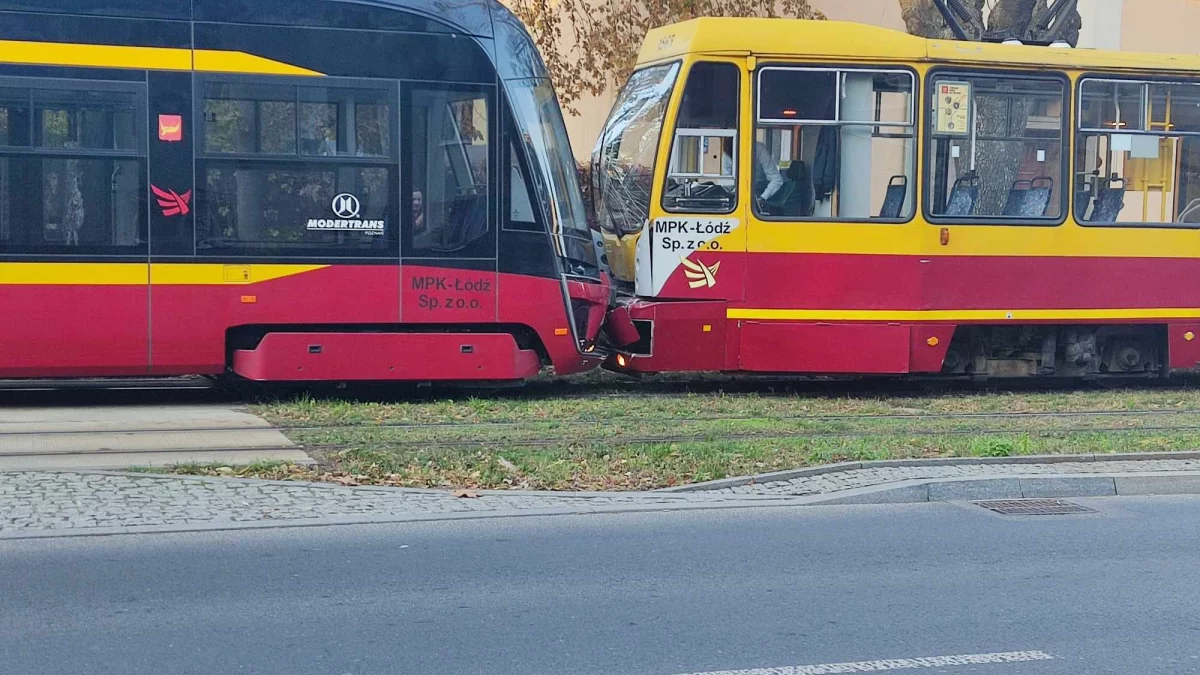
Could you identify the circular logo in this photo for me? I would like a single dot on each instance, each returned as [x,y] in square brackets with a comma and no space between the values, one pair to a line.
[346,205]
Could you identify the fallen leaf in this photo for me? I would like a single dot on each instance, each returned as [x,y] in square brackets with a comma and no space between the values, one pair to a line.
[466,494]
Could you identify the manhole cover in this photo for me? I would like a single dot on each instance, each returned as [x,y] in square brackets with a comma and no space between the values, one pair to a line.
[1033,507]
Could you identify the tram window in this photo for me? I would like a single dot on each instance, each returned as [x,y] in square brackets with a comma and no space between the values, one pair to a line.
[14,117]
[291,209]
[449,171]
[1138,153]
[72,168]
[521,215]
[98,120]
[842,150]
[297,170]
[996,147]
[702,175]
[250,119]
[336,121]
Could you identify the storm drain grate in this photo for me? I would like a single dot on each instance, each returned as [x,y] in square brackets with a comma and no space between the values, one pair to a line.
[1033,507]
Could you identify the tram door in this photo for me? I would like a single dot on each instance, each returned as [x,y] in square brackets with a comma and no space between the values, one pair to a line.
[73,274]
[448,252]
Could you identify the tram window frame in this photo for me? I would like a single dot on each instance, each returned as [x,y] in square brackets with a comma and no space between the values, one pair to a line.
[911,124]
[1083,134]
[706,134]
[1066,127]
[484,245]
[347,244]
[35,151]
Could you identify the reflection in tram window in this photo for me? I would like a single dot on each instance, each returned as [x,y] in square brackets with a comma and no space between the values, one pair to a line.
[996,147]
[1138,153]
[449,169]
[834,144]
[274,158]
[72,168]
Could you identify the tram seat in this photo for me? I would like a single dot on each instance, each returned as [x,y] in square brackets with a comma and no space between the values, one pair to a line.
[1037,200]
[964,196]
[802,200]
[468,220]
[1109,202]
[894,198]
[1029,198]
[777,204]
[1014,205]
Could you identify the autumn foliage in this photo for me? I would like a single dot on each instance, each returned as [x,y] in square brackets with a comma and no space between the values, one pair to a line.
[589,45]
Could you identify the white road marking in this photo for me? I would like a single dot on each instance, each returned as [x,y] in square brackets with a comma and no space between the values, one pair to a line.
[892,664]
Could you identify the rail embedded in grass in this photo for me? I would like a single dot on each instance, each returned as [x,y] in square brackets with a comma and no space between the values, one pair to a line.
[623,440]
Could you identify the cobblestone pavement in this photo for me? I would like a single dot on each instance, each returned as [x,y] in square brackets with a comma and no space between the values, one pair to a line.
[77,500]
[60,500]
[857,478]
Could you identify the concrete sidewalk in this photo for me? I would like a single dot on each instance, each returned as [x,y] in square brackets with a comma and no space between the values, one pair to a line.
[121,437]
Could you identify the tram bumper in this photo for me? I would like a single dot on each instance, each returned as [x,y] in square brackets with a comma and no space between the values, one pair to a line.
[653,337]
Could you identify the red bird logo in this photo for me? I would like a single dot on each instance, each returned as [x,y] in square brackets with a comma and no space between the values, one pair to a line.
[172,203]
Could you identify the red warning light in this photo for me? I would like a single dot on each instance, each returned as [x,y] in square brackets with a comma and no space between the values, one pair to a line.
[170,128]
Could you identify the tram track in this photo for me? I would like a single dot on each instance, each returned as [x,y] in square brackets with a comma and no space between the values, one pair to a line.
[591,421]
[621,441]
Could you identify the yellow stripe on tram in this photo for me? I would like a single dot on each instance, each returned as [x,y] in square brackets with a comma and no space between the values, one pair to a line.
[184,274]
[213,61]
[96,56]
[142,274]
[144,58]
[998,315]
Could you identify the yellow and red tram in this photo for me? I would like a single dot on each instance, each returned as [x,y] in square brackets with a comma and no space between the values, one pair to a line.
[823,197]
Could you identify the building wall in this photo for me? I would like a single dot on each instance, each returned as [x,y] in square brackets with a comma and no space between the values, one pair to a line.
[1130,25]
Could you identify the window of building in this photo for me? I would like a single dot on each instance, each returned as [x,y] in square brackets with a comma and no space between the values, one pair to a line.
[1137,156]
[72,167]
[702,175]
[834,144]
[449,172]
[996,147]
[297,169]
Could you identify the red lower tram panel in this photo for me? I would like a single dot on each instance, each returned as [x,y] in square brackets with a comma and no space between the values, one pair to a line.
[662,337]
[310,357]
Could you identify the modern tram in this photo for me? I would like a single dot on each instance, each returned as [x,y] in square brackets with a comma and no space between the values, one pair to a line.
[818,197]
[287,190]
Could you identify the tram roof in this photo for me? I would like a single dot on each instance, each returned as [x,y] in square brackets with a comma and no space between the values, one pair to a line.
[470,16]
[843,40]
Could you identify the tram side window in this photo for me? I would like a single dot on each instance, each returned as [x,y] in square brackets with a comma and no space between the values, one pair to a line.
[450,137]
[702,175]
[1138,153]
[834,144]
[521,215]
[996,147]
[297,169]
[72,167]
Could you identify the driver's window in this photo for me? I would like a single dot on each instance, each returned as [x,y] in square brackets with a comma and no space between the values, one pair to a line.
[702,174]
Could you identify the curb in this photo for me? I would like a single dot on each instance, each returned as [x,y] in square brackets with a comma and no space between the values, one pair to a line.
[1030,486]
[791,474]
[332,521]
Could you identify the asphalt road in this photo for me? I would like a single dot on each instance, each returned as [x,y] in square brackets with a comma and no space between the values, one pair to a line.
[648,594]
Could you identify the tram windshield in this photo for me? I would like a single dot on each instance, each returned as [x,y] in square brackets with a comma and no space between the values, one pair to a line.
[628,146]
[544,134]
